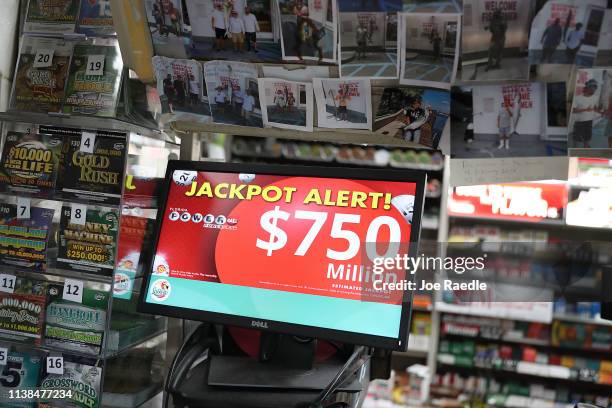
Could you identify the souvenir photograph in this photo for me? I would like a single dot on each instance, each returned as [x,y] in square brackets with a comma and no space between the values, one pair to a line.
[512,120]
[287,104]
[568,32]
[415,114]
[234,30]
[430,49]
[343,103]
[590,125]
[368,38]
[308,30]
[233,93]
[165,19]
[495,39]
[180,86]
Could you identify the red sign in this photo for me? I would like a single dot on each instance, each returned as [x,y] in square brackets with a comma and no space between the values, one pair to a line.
[294,234]
[523,201]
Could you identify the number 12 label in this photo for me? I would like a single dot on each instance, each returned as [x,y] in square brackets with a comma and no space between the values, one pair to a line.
[73,290]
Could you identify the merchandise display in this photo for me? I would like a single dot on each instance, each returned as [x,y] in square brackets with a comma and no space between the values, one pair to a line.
[306,204]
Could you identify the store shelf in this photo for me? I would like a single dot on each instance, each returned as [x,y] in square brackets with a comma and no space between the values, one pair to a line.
[318,135]
[84,122]
[519,401]
[525,369]
[131,400]
[430,223]
[581,319]
[135,332]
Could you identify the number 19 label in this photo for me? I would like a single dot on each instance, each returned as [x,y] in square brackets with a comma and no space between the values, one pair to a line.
[95,65]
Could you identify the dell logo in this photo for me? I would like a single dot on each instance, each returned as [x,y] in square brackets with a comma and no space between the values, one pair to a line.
[259,324]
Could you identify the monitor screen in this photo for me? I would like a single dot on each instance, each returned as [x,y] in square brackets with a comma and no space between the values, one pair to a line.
[288,249]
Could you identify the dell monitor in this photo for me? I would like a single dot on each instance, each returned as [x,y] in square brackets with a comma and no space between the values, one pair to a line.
[286,249]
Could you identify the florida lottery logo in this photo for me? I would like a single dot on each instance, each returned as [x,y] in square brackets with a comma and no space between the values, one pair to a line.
[184,178]
[160,290]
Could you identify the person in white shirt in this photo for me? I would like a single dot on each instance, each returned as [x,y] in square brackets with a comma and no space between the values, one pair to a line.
[194,91]
[573,41]
[584,112]
[220,98]
[504,123]
[236,29]
[248,105]
[220,26]
[251,27]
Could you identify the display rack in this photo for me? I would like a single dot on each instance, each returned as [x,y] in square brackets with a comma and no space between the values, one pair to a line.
[512,361]
[98,333]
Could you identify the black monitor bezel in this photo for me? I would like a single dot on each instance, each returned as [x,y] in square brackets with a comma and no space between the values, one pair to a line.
[411,176]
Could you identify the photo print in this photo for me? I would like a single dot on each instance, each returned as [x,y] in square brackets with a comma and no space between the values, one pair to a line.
[432,6]
[165,18]
[495,39]
[343,103]
[368,38]
[430,49]
[569,32]
[233,93]
[415,114]
[180,86]
[590,126]
[237,30]
[512,120]
[308,30]
[287,104]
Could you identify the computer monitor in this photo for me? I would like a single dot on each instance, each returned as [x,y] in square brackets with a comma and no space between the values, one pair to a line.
[286,249]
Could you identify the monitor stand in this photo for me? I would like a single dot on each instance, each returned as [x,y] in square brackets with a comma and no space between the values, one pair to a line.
[285,362]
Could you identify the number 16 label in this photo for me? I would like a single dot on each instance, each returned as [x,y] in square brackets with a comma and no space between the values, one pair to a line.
[95,65]
[55,365]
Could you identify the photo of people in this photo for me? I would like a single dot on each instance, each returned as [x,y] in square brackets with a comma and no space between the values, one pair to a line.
[308,30]
[495,39]
[567,32]
[430,49]
[512,120]
[590,120]
[237,30]
[180,86]
[438,6]
[233,93]
[368,38]
[287,104]
[165,18]
[415,114]
[343,103]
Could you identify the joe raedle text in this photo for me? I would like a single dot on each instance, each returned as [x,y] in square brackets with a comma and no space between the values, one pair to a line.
[446,284]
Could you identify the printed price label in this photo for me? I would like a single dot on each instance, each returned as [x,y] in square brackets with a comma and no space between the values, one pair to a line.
[55,365]
[7,283]
[3,355]
[78,213]
[43,58]
[73,290]
[88,141]
[95,65]
[23,208]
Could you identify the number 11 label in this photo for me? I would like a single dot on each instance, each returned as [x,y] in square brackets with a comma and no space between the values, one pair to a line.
[95,65]
[7,283]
